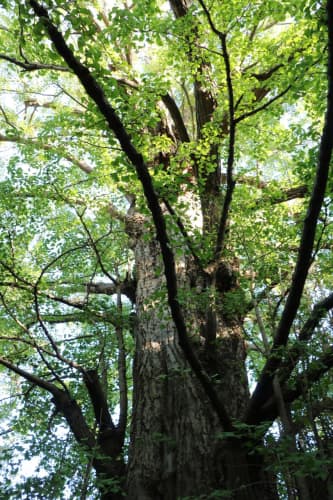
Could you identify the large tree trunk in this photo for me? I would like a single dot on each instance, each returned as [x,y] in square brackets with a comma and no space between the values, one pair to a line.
[177,446]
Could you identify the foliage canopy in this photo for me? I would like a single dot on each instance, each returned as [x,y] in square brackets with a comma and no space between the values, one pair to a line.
[205,120]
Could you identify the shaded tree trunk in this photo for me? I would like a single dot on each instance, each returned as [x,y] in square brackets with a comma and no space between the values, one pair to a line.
[178,447]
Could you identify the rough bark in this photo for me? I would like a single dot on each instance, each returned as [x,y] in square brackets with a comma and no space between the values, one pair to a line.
[177,445]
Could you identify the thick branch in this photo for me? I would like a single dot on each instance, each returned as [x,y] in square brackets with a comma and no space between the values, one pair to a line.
[98,400]
[169,103]
[76,421]
[43,384]
[232,131]
[262,77]
[68,407]
[205,102]
[291,194]
[269,410]
[176,116]
[263,390]
[231,153]
[96,93]
[285,195]
[126,287]
[110,437]
[180,7]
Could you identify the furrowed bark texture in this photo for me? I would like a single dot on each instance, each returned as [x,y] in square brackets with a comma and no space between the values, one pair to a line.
[161,455]
[176,438]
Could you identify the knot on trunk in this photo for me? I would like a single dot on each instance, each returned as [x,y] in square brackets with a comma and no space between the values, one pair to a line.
[134,227]
[225,277]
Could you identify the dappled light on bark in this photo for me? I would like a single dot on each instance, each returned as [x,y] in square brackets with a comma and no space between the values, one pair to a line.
[166,247]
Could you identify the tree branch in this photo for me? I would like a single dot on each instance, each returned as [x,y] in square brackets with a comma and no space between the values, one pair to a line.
[264,106]
[263,389]
[84,166]
[110,437]
[301,385]
[231,152]
[168,102]
[126,287]
[97,95]
[176,116]
[123,389]
[184,233]
[262,77]
[232,135]
[179,7]
[64,403]
[33,66]
[291,194]
[295,352]
[79,304]
[43,384]
[98,399]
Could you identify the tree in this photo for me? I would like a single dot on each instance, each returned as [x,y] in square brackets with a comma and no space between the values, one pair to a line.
[165,240]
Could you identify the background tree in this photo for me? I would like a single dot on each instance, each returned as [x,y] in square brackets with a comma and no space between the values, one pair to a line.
[166,249]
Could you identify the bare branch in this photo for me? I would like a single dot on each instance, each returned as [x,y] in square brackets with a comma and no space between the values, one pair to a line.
[116,214]
[126,287]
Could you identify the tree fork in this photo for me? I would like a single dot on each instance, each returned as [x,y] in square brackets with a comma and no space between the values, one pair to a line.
[96,93]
